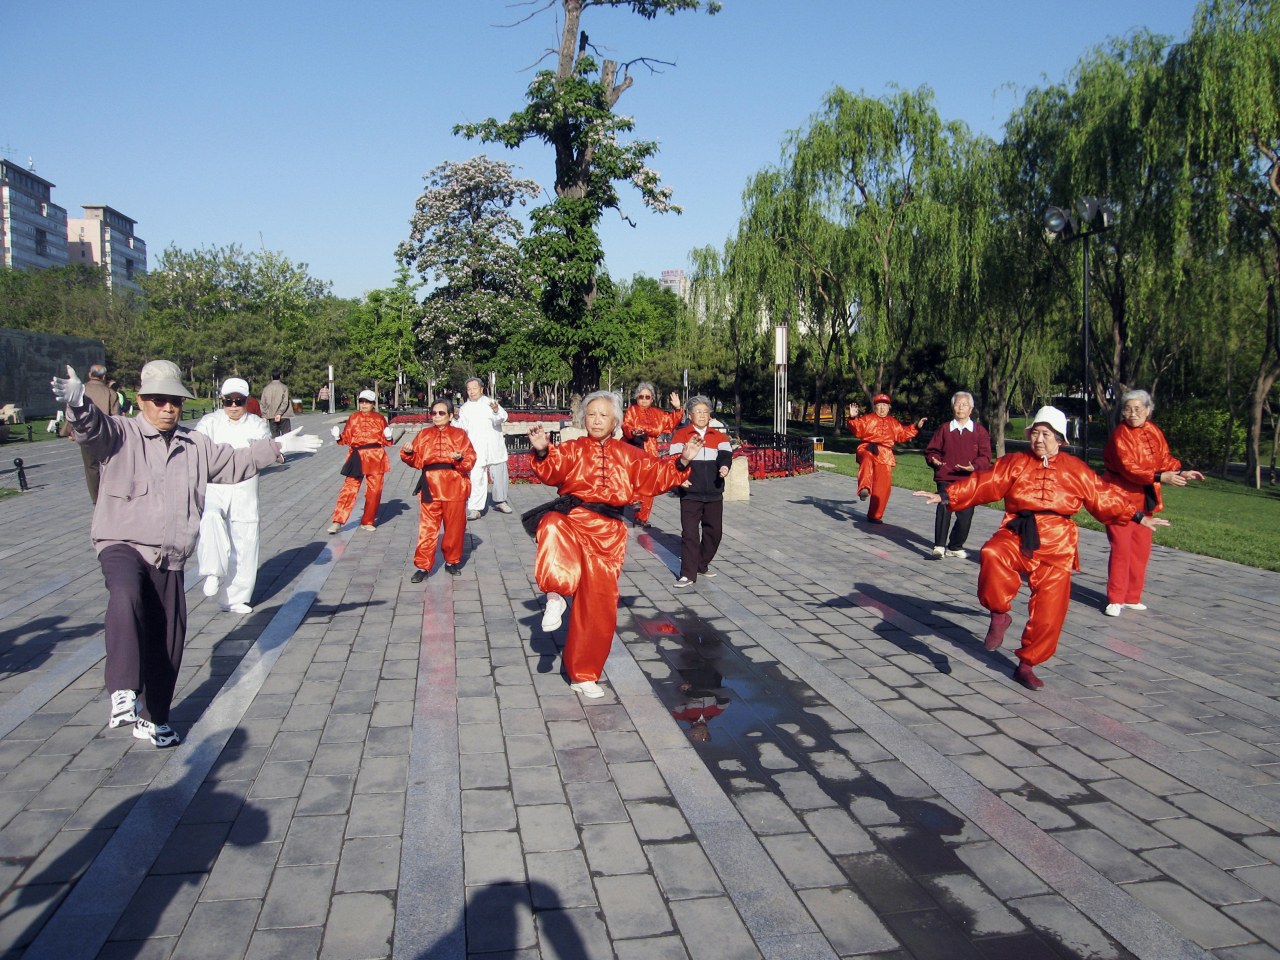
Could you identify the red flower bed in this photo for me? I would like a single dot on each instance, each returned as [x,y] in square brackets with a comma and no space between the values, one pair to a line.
[763,464]
[546,416]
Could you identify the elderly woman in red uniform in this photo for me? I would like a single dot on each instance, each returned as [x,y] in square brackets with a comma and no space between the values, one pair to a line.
[581,538]
[1137,461]
[1042,490]
[445,456]
[878,432]
[641,427]
[367,434]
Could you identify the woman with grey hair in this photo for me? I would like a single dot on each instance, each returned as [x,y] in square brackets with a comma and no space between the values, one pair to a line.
[582,541]
[702,495]
[956,450]
[642,424]
[1137,461]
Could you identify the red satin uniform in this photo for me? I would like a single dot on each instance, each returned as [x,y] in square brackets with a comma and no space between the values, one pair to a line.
[449,490]
[364,432]
[651,421]
[1134,458]
[875,470]
[1060,489]
[580,553]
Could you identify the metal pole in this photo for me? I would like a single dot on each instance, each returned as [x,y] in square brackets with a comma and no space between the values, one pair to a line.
[331,407]
[1085,425]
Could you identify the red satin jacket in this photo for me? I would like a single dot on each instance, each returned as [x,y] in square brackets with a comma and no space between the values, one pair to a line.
[364,429]
[439,445]
[650,421]
[1134,457]
[884,431]
[1064,486]
[608,471]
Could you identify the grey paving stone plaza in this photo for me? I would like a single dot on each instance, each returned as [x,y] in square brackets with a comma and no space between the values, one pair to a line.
[373,768]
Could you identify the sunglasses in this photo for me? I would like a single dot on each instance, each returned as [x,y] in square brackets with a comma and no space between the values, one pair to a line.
[160,400]
[234,401]
[439,413]
[644,396]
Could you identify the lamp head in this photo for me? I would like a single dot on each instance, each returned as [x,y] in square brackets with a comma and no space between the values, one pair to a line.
[1059,221]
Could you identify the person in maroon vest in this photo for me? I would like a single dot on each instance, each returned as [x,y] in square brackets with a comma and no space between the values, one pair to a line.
[956,450]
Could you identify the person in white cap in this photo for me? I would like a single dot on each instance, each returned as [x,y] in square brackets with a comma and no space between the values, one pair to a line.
[482,418]
[154,476]
[1042,490]
[368,435]
[228,547]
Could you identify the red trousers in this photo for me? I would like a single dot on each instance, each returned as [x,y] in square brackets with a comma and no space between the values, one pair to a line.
[1000,578]
[347,498]
[453,514]
[644,509]
[1127,566]
[876,477]
[580,555]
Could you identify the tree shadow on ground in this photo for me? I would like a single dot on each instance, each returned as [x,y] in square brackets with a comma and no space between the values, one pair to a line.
[838,510]
[29,646]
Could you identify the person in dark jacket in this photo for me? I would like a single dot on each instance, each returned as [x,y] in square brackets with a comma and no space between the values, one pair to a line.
[702,495]
[957,449]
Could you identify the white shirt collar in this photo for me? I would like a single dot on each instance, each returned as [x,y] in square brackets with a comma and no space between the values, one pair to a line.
[957,425]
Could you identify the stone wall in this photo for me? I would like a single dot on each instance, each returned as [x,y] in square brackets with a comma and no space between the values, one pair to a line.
[28,360]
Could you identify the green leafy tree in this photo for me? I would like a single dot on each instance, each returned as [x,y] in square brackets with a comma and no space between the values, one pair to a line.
[571,109]
[382,338]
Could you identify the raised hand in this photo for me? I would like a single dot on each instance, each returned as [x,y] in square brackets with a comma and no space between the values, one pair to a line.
[295,441]
[68,390]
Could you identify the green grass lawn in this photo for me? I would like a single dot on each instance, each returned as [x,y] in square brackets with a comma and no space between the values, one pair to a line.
[1215,518]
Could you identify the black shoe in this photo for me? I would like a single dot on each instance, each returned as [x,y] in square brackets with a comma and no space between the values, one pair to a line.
[418,576]
[453,569]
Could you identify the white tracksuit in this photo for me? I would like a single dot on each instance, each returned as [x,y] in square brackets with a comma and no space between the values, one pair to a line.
[229,526]
[484,430]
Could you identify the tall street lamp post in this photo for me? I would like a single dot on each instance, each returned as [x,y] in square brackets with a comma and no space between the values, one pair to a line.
[1090,216]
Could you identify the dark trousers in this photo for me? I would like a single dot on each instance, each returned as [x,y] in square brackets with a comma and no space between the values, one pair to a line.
[942,519]
[701,524]
[284,426]
[146,626]
[91,472]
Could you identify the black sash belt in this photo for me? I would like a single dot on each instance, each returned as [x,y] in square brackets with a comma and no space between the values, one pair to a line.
[873,449]
[352,467]
[422,488]
[1024,525]
[563,504]
[1149,499]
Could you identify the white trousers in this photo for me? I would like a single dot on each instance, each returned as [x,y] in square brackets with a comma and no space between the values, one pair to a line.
[480,477]
[228,547]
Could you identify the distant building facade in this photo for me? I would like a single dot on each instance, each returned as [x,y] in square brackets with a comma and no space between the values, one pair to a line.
[104,237]
[33,229]
[676,282]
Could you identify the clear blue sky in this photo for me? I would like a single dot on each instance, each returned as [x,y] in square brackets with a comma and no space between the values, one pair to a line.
[306,125]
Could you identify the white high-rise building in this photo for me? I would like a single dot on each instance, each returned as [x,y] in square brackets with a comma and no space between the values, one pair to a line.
[33,229]
[676,282]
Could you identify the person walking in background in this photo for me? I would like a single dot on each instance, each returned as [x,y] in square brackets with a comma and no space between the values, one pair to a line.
[582,541]
[108,402]
[368,435]
[641,427]
[446,458]
[482,418]
[228,547]
[275,405]
[154,478]
[956,450]
[878,432]
[702,495]
[1042,490]
[1138,462]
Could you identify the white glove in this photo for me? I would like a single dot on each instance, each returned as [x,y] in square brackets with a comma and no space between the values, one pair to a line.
[386,433]
[336,432]
[295,441]
[69,391]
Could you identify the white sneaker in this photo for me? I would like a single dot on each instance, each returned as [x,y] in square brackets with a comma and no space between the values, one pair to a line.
[335,527]
[124,704]
[588,688]
[160,735]
[211,585]
[939,552]
[683,582]
[238,608]
[502,507]
[473,514]
[708,573]
[1135,606]
[958,554]
[1113,609]
[367,526]
[553,615]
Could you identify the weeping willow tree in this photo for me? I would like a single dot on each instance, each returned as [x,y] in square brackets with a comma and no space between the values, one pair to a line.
[728,309]
[1225,81]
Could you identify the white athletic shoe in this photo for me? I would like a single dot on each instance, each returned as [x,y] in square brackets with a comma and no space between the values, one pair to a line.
[939,552]
[588,688]
[1135,606]
[957,554]
[211,585]
[238,608]
[1113,609]
[553,615]
[160,735]
[124,705]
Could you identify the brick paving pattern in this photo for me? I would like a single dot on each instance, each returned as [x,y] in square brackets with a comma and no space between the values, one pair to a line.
[373,768]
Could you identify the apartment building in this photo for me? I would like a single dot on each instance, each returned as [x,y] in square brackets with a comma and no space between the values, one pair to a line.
[104,237]
[33,229]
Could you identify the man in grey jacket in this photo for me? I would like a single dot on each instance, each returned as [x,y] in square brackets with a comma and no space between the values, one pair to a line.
[153,480]
[275,405]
